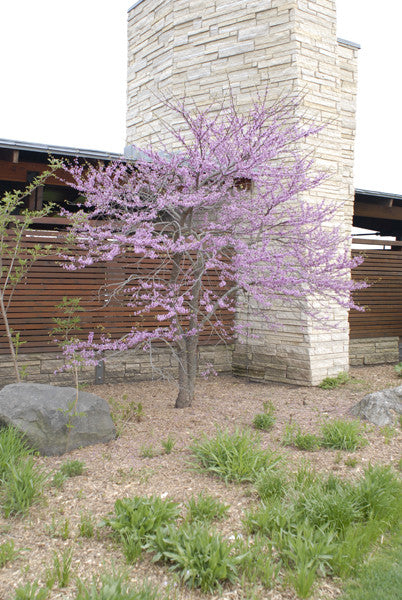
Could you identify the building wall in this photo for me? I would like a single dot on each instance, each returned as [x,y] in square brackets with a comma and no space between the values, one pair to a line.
[128,366]
[197,49]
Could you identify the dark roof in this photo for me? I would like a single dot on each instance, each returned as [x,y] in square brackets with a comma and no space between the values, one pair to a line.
[58,150]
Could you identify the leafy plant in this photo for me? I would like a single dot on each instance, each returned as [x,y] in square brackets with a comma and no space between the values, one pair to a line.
[205,508]
[201,557]
[398,369]
[233,456]
[256,562]
[343,435]
[22,486]
[72,468]
[31,591]
[7,552]
[115,587]
[168,444]
[305,550]
[330,383]
[266,419]
[138,518]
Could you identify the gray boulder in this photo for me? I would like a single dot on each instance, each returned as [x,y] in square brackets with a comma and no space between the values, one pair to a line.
[49,420]
[379,407]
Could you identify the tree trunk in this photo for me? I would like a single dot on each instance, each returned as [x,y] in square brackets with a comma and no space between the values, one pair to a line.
[10,339]
[187,355]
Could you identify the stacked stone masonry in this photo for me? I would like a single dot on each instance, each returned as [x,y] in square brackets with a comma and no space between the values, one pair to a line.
[374,351]
[128,366]
[197,49]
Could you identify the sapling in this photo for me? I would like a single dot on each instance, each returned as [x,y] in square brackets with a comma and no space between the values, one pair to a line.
[16,259]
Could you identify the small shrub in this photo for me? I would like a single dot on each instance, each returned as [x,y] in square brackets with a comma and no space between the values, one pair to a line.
[233,456]
[202,558]
[31,591]
[72,468]
[343,435]
[330,383]
[168,444]
[7,552]
[22,487]
[266,419]
[205,508]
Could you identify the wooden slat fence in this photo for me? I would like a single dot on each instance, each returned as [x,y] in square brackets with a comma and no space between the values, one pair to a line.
[383,299]
[33,307]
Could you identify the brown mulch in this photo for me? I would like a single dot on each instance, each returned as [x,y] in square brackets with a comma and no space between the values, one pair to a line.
[119,469]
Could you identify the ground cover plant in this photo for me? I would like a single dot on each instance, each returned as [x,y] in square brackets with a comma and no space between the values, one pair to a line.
[296,527]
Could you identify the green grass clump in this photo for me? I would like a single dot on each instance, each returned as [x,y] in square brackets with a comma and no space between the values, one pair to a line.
[398,369]
[380,577]
[342,435]
[168,444]
[22,486]
[302,441]
[330,383]
[233,456]
[31,591]
[201,557]
[271,483]
[378,495]
[7,552]
[256,562]
[72,468]
[323,525]
[115,587]
[139,518]
[205,508]
[86,526]
[12,449]
[265,420]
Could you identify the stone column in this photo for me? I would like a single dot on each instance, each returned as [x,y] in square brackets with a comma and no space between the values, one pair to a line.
[197,49]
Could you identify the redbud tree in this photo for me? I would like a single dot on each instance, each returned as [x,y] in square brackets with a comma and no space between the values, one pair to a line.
[228,200]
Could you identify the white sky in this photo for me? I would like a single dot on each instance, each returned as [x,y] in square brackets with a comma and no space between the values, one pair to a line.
[63,78]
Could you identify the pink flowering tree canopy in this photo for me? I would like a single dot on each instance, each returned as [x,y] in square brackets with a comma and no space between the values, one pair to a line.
[226,201]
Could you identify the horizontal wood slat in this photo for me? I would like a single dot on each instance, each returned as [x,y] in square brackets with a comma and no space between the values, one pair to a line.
[382,269]
[34,301]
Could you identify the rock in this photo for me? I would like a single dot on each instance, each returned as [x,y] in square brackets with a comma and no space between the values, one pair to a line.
[46,415]
[378,407]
